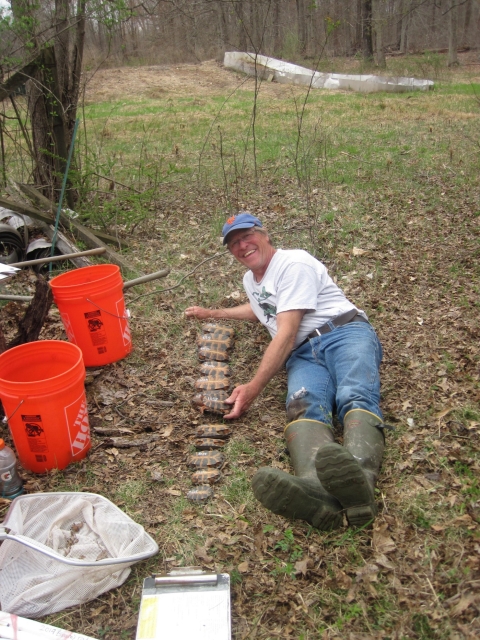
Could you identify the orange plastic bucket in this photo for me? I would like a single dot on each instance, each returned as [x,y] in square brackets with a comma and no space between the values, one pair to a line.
[43,395]
[92,307]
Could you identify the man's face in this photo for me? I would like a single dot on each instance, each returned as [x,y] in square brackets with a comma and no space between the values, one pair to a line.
[251,248]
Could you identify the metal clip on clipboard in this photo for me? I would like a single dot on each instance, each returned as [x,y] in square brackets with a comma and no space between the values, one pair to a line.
[184,604]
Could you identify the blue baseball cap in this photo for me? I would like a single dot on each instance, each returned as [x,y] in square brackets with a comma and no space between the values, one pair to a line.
[242,220]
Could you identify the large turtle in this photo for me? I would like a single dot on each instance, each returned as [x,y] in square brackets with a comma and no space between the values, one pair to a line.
[213,401]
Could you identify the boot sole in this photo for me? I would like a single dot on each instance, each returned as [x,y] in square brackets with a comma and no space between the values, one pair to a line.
[293,497]
[342,476]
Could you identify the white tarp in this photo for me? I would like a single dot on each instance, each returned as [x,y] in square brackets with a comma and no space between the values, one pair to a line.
[287,73]
[14,627]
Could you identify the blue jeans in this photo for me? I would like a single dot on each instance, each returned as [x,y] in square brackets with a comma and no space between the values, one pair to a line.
[335,373]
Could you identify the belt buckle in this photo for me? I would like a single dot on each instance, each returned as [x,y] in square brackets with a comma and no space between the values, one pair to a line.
[317,331]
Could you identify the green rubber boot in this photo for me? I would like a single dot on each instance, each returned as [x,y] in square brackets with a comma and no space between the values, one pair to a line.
[300,496]
[349,472]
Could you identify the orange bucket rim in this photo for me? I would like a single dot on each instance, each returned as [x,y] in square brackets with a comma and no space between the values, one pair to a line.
[111,269]
[41,344]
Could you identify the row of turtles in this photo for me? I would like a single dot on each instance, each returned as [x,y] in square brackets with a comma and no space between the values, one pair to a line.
[212,389]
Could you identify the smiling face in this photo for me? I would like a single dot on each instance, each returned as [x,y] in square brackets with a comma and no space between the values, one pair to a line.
[252,248]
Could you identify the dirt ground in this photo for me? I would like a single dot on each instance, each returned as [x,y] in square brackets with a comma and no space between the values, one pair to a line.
[155,81]
[193,79]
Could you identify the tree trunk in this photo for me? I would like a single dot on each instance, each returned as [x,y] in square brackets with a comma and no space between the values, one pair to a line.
[243,29]
[54,88]
[358,24]
[466,23]
[379,23]
[301,26]
[277,44]
[32,322]
[367,35]
[222,27]
[405,25]
[453,34]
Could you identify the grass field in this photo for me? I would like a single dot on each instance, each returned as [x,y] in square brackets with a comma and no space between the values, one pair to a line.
[385,189]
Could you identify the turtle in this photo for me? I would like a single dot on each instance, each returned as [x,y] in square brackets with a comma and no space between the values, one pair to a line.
[213,431]
[215,369]
[206,460]
[210,384]
[213,351]
[206,476]
[200,494]
[209,444]
[212,327]
[216,373]
[213,401]
[211,338]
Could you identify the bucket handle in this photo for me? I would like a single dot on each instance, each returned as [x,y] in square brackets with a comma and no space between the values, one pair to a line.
[5,419]
[109,313]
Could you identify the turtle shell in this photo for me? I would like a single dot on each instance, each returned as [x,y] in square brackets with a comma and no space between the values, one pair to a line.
[206,460]
[200,494]
[213,401]
[215,369]
[213,351]
[208,444]
[210,384]
[221,342]
[213,327]
[213,431]
[206,476]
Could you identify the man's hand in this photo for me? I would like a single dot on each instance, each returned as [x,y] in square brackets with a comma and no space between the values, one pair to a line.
[199,312]
[241,399]
[242,312]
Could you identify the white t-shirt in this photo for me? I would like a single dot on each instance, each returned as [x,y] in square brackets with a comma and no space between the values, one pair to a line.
[296,280]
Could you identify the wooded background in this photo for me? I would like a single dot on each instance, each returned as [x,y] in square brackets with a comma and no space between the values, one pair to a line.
[162,31]
[187,30]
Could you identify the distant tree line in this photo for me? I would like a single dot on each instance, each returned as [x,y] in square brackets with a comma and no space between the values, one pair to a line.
[189,30]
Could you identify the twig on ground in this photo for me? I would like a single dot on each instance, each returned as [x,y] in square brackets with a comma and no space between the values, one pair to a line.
[111,180]
[150,293]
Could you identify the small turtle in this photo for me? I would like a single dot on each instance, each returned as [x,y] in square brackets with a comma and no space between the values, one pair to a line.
[213,401]
[213,431]
[208,339]
[206,476]
[200,494]
[213,351]
[212,327]
[215,368]
[210,384]
[206,460]
[209,444]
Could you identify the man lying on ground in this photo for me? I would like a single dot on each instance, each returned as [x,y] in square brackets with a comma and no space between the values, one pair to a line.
[332,357]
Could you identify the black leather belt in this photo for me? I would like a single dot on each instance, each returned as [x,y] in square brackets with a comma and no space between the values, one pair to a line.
[339,321]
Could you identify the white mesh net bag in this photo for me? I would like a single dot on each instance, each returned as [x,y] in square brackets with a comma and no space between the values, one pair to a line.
[62,549]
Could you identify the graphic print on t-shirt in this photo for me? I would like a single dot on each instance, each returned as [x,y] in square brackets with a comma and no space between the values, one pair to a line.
[269,310]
